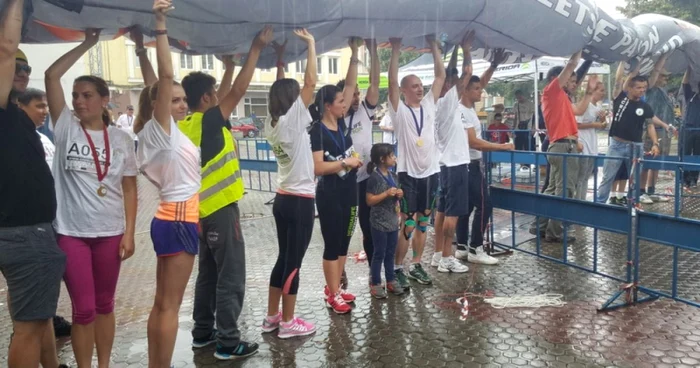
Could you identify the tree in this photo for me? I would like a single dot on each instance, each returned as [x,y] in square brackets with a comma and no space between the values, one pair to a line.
[687,10]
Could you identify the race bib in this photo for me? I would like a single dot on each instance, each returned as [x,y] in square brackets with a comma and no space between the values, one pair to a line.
[79,157]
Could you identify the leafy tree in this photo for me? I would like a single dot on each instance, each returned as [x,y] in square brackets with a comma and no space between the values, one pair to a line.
[687,10]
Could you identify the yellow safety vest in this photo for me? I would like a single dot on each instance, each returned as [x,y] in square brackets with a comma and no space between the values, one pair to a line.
[222,183]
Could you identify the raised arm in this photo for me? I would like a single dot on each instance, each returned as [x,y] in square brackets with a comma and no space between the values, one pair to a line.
[229,68]
[440,74]
[467,67]
[372,96]
[54,90]
[307,91]
[351,77]
[581,107]
[10,35]
[569,69]
[149,75]
[499,57]
[279,50]
[161,111]
[658,68]
[238,90]
[582,71]
[619,79]
[631,75]
[394,89]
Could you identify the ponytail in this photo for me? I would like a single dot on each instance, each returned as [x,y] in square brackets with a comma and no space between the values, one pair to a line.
[315,112]
[106,117]
[370,167]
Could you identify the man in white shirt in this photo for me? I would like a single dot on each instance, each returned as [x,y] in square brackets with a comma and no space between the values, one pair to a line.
[126,123]
[414,123]
[387,128]
[454,158]
[479,198]
[33,103]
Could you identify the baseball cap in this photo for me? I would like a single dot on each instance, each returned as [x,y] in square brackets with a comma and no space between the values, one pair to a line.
[20,55]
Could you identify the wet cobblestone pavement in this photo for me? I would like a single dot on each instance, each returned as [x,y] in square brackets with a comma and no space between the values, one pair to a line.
[423,329]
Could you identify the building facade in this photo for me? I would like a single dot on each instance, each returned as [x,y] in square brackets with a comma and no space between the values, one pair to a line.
[117,63]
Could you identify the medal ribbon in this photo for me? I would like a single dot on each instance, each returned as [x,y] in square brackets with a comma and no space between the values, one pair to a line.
[419,128]
[341,144]
[100,174]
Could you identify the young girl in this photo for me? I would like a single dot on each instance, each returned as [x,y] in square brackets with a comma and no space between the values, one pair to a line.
[336,192]
[294,203]
[383,197]
[95,172]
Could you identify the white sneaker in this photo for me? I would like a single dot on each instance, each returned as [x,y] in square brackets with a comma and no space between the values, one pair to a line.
[481,257]
[644,198]
[462,254]
[657,198]
[436,260]
[524,169]
[451,264]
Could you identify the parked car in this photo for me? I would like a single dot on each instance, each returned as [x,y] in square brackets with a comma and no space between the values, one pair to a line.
[248,127]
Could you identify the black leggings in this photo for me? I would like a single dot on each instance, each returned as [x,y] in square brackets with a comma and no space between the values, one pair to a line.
[337,214]
[363,216]
[294,217]
[480,200]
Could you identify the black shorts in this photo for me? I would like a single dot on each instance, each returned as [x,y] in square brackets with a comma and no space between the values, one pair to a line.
[33,266]
[454,190]
[622,172]
[418,194]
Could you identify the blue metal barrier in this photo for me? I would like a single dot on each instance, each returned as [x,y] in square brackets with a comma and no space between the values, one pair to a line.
[679,233]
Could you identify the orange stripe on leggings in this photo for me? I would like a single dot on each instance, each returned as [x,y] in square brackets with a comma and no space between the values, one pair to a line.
[288,283]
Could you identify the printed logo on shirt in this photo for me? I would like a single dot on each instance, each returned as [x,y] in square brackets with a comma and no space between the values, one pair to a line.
[79,157]
[282,156]
[640,112]
[212,236]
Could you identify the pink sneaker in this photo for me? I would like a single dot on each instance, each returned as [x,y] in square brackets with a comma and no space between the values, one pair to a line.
[347,297]
[296,327]
[271,323]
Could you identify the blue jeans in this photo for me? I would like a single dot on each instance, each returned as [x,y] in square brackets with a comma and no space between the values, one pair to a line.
[610,167]
[384,251]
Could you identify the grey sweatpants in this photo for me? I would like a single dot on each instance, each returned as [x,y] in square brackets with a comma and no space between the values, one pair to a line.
[554,229]
[220,287]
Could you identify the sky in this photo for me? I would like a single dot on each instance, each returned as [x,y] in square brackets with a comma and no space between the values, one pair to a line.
[610,6]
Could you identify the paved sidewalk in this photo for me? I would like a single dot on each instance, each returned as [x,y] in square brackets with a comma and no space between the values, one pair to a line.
[423,328]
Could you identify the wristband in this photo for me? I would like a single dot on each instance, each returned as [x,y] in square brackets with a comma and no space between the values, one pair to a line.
[354,61]
[494,65]
[140,51]
[161,32]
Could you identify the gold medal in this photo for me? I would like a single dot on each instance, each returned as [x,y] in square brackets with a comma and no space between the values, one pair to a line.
[419,142]
[102,190]
[398,208]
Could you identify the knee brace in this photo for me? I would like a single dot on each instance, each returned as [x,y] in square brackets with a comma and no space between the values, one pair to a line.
[408,224]
[423,222]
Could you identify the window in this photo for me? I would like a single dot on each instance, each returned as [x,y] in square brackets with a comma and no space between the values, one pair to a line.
[137,62]
[333,65]
[186,61]
[301,66]
[256,105]
[319,65]
[208,62]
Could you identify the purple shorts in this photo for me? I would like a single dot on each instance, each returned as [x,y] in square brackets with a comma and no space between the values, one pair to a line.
[174,237]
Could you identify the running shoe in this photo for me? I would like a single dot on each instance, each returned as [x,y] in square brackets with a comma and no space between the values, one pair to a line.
[394,288]
[451,264]
[436,259]
[240,351]
[271,323]
[295,328]
[347,297]
[480,257]
[337,303]
[204,341]
[644,198]
[418,273]
[401,278]
[378,291]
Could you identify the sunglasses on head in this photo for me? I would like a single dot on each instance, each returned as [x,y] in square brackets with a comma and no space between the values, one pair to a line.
[23,68]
